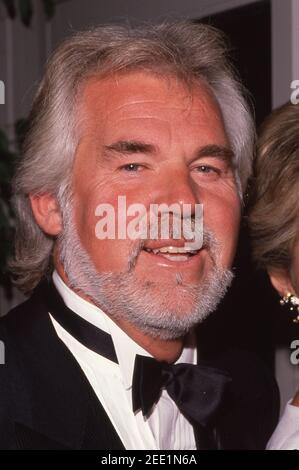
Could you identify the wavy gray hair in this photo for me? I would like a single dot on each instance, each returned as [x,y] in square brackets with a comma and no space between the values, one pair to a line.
[187,50]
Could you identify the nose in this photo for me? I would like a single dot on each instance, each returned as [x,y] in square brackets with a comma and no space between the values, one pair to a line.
[177,187]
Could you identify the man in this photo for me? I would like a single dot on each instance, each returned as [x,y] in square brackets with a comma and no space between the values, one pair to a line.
[103,355]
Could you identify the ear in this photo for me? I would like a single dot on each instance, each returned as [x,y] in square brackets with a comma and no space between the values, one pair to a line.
[47,214]
[281,282]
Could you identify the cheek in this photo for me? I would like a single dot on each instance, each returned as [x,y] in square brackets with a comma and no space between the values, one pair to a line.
[295,281]
[108,255]
[222,216]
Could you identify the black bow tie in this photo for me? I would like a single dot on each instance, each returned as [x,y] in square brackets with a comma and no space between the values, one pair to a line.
[196,389]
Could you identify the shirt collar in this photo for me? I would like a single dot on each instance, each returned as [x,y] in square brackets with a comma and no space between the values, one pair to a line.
[125,347]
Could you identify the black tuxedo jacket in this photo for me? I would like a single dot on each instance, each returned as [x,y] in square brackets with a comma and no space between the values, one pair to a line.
[47,403]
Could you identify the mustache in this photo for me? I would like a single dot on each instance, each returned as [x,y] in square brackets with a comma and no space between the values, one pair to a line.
[210,243]
[170,226]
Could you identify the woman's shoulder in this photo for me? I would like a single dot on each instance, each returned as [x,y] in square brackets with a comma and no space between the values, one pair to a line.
[286,435]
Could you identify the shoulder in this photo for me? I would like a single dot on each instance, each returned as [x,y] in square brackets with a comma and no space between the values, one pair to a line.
[18,321]
[18,340]
[8,345]
[15,329]
[11,326]
[286,435]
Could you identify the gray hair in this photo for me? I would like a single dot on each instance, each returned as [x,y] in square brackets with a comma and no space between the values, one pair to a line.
[187,50]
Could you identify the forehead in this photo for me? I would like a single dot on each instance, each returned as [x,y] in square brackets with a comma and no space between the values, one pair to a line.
[145,95]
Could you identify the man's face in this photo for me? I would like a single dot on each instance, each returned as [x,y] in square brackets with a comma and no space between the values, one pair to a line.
[154,141]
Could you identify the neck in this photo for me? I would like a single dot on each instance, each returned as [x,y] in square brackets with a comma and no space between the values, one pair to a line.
[162,350]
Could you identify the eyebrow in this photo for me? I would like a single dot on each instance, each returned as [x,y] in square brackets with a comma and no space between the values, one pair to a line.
[127,147]
[217,151]
[130,147]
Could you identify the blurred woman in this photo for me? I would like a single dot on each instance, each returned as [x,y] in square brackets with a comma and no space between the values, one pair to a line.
[274,222]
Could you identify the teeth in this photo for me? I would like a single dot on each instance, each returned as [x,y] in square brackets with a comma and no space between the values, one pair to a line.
[173,250]
[176,258]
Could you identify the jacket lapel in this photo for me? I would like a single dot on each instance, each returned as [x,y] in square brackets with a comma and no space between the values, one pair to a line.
[51,394]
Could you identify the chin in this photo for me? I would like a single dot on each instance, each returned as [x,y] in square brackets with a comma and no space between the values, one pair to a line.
[174,298]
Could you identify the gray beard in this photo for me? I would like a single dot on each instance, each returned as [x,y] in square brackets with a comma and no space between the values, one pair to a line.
[140,303]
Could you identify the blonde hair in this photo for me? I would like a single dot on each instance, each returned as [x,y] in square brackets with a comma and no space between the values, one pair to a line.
[274,216]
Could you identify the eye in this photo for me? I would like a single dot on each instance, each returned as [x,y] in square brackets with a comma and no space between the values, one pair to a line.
[132,167]
[207,169]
